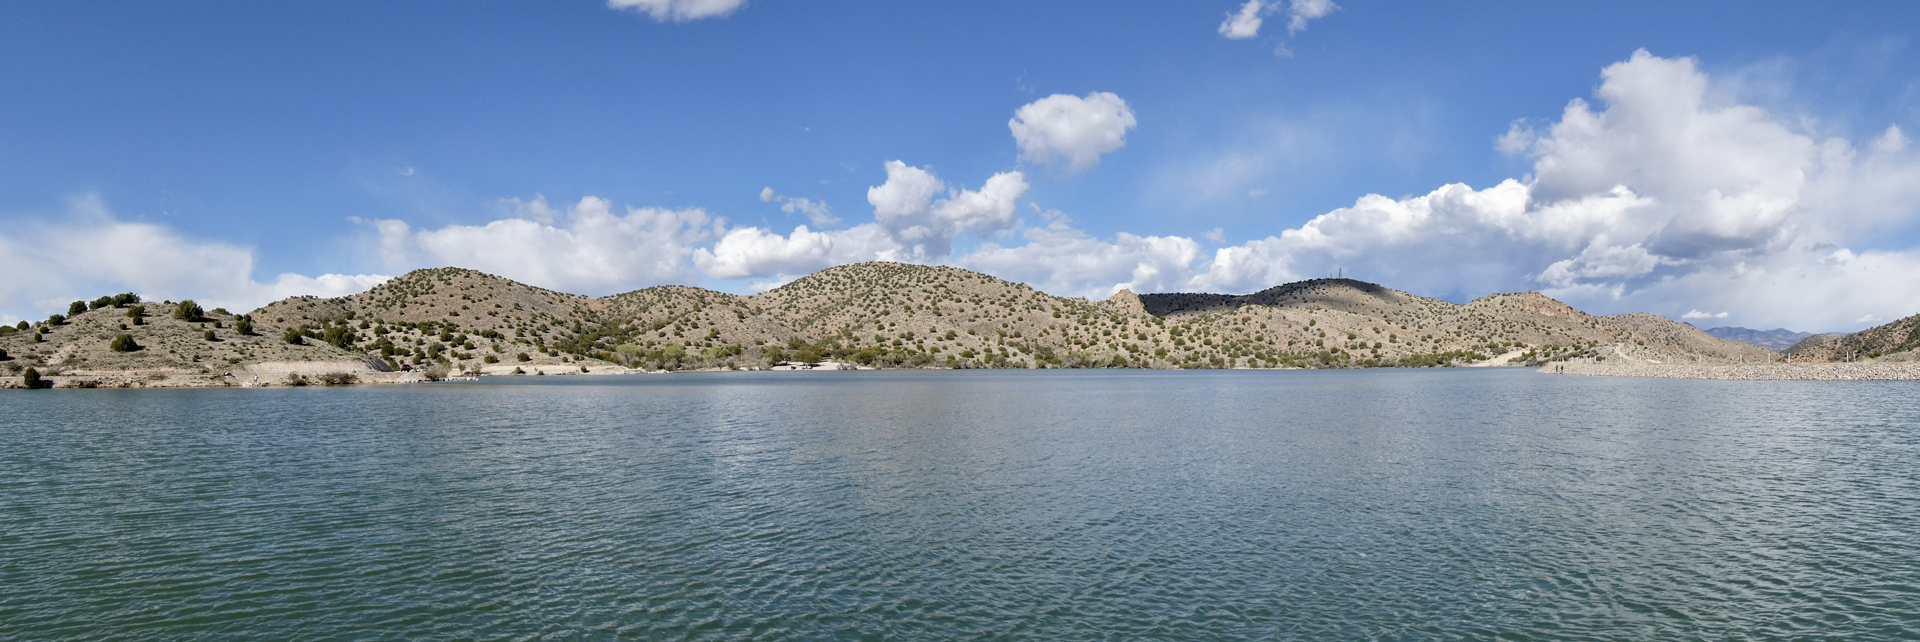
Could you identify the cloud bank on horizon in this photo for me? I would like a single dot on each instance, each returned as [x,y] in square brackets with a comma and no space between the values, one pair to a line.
[1660,194]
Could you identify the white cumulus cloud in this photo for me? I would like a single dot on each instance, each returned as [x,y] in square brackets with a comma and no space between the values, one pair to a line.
[1076,129]
[679,10]
[908,207]
[760,253]
[1246,22]
[1061,259]
[89,252]
[1663,198]
[816,212]
[1301,11]
[593,251]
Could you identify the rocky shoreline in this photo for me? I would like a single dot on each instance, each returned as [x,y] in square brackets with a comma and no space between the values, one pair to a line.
[1773,372]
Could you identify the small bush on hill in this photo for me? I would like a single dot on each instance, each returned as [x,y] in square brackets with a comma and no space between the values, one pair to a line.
[211,336]
[123,343]
[295,337]
[523,357]
[339,336]
[189,311]
[31,379]
[102,302]
[339,378]
[138,313]
[125,299]
[243,324]
[74,309]
[22,327]
[56,319]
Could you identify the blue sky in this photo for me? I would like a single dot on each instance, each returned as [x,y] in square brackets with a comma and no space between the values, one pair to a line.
[240,152]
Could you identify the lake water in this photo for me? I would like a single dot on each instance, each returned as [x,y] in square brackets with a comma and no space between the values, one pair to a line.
[1055,505]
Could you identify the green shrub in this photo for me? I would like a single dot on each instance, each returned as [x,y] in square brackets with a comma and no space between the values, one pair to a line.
[138,313]
[189,311]
[295,337]
[33,381]
[339,378]
[125,299]
[74,309]
[243,324]
[523,357]
[339,336]
[123,343]
[488,358]
[3,355]
[56,319]
[222,312]
[211,337]
[102,302]
[22,327]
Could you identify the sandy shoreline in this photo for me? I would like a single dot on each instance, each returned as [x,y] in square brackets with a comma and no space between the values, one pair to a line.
[282,374]
[1773,372]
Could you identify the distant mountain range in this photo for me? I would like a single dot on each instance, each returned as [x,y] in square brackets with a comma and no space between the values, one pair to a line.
[1775,339]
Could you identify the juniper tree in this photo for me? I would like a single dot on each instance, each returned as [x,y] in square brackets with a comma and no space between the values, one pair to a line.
[189,311]
[74,309]
[123,343]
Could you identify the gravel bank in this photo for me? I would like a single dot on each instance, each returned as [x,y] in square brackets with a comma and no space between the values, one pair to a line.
[1775,372]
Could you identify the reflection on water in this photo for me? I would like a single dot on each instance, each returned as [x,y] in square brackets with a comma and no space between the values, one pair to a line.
[1043,505]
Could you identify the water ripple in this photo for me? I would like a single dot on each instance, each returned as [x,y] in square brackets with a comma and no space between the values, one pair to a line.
[1036,505]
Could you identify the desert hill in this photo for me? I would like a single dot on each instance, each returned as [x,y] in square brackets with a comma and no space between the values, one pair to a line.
[891,315]
[900,315]
[162,348]
[1896,341]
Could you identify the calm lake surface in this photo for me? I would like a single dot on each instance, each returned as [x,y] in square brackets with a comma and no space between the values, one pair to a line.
[1057,505]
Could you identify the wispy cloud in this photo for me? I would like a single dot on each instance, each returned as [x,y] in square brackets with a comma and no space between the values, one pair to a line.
[679,10]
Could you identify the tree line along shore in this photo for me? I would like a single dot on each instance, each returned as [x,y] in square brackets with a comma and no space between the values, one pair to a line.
[448,322]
